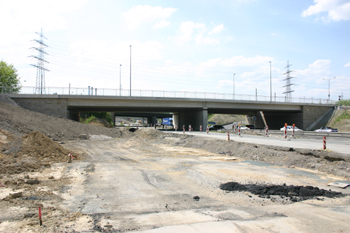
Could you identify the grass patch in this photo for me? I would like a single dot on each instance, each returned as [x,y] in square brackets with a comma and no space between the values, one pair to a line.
[90,119]
[343,102]
[343,116]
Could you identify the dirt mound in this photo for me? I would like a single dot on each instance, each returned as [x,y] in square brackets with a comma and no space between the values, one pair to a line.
[323,161]
[291,192]
[5,99]
[20,121]
[148,133]
[32,152]
[37,144]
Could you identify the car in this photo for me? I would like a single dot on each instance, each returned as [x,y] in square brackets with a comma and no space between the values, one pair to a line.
[245,128]
[250,126]
[216,127]
[326,129]
[290,128]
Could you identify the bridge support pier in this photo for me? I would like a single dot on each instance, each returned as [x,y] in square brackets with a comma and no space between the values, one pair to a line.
[113,118]
[259,122]
[152,120]
[195,118]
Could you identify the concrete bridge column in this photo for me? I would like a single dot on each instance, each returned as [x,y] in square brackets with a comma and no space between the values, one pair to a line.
[259,123]
[152,120]
[176,120]
[194,118]
[113,118]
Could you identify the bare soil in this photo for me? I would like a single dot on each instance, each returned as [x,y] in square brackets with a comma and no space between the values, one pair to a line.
[34,171]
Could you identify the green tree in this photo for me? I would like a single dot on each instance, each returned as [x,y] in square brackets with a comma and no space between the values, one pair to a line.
[9,80]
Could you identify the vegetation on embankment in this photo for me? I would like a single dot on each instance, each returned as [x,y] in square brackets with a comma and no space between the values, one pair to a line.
[97,118]
[343,103]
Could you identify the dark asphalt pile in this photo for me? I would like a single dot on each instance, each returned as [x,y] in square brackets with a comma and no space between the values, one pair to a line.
[294,193]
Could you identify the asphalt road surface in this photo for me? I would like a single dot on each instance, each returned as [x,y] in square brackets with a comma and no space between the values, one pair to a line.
[340,145]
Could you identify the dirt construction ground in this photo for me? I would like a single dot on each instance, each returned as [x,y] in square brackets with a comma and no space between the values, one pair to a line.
[148,181]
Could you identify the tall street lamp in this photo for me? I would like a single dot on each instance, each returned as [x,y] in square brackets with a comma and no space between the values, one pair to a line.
[270,84]
[329,87]
[130,70]
[233,84]
[120,80]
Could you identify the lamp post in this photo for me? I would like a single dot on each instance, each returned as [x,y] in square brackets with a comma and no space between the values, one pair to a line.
[130,70]
[233,84]
[270,84]
[329,87]
[120,80]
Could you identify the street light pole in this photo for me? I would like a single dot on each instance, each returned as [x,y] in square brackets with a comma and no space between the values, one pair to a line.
[233,84]
[329,88]
[120,80]
[130,70]
[270,84]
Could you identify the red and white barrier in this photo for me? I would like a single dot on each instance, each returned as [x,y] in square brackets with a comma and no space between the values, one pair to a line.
[189,128]
[200,128]
[207,128]
[324,143]
[166,127]
[285,131]
[266,131]
[175,127]
[239,130]
[183,127]
[293,131]
[228,136]
[235,131]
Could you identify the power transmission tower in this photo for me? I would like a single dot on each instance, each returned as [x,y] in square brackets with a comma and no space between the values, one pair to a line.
[40,72]
[288,85]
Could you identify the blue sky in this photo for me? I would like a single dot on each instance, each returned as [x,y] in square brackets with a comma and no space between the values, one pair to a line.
[184,45]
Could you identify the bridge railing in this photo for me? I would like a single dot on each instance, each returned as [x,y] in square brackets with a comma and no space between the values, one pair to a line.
[161,94]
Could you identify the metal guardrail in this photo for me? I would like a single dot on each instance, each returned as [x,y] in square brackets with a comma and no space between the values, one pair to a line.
[162,94]
[308,133]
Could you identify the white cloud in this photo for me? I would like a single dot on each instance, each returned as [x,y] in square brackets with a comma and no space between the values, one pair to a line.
[198,32]
[217,29]
[336,9]
[237,61]
[202,40]
[187,29]
[347,64]
[148,14]
[316,71]
[161,24]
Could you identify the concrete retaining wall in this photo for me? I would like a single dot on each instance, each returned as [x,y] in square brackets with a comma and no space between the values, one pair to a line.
[53,107]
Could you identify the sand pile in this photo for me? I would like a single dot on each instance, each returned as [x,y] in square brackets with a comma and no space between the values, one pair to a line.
[30,153]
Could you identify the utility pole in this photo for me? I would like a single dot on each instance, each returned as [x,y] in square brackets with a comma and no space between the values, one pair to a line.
[233,84]
[270,84]
[120,80]
[40,73]
[130,70]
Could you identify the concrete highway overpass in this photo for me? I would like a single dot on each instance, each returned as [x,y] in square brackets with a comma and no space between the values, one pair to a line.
[186,111]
